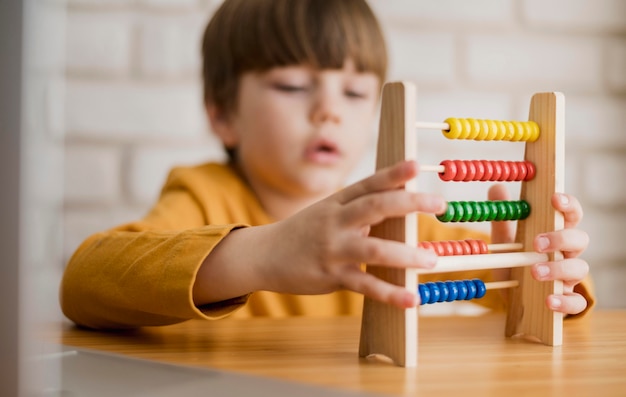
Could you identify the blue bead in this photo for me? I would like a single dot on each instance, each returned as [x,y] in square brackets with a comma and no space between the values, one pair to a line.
[434,292]
[471,290]
[462,290]
[481,290]
[424,294]
[443,291]
[453,291]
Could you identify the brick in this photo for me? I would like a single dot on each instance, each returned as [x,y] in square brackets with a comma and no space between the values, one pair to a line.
[100,4]
[54,109]
[616,65]
[602,15]
[609,280]
[606,231]
[92,174]
[80,223]
[170,46]
[149,167]
[535,63]
[44,38]
[99,43]
[425,58]
[169,4]
[604,180]
[42,224]
[134,111]
[445,11]
[595,121]
[42,169]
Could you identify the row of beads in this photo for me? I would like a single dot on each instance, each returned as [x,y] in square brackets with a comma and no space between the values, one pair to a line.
[483,211]
[485,170]
[454,247]
[448,291]
[491,130]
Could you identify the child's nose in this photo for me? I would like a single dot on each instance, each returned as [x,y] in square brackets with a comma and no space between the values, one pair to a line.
[325,109]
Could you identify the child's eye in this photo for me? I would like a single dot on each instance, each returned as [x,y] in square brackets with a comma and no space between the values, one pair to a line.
[355,94]
[290,87]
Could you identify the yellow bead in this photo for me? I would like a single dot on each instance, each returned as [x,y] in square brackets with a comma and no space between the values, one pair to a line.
[519,131]
[492,130]
[500,130]
[474,129]
[484,130]
[455,128]
[510,131]
[536,131]
[466,129]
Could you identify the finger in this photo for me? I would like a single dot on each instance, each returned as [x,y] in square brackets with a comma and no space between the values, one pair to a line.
[570,271]
[567,303]
[569,241]
[501,231]
[386,253]
[374,208]
[377,289]
[386,179]
[570,207]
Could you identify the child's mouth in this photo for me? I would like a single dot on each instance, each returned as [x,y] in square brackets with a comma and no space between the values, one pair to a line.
[323,151]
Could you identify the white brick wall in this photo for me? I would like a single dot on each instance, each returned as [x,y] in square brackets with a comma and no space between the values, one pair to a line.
[131,110]
[535,62]
[99,44]
[576,15]
[133,99]
[92,174]
[169,47]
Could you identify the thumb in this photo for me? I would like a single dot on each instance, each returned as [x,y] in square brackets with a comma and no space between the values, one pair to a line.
[501,231]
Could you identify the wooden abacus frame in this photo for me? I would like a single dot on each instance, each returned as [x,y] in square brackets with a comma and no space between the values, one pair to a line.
[393,332]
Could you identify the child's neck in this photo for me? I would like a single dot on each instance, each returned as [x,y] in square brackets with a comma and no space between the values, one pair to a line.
[280,207]
[277,204]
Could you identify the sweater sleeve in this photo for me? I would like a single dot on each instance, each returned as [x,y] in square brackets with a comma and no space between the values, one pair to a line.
[142,273]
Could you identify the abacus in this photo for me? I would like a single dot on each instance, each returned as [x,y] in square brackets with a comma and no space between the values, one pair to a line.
[393,332]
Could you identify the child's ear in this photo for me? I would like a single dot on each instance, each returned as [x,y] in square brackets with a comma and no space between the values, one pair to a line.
[222,126]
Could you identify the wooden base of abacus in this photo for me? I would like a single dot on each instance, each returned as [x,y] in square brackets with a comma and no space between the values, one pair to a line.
[393,332]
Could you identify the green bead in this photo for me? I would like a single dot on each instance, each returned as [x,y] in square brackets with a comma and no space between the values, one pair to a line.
[481,211]
[468,211]
[448,215]
[501,212]
[478,212]
[525,209]
[492,211]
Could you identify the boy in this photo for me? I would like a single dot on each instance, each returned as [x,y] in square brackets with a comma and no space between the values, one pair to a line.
[291,88]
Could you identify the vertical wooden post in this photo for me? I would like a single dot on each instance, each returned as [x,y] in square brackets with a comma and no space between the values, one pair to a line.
[388,330]
[528,314]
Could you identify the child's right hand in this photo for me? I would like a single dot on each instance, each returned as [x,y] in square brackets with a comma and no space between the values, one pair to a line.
[321,248]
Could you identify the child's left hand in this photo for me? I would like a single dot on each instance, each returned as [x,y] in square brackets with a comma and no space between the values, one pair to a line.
[570,241]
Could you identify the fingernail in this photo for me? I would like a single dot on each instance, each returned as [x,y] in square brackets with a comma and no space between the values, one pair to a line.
[542,270]
[554,303]
[431,258]
[543,243]
[410,300]
[564,200]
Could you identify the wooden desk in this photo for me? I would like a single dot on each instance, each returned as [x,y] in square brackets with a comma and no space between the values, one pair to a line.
[457,355]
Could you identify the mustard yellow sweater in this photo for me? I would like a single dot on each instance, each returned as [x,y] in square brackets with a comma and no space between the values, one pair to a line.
[142,273]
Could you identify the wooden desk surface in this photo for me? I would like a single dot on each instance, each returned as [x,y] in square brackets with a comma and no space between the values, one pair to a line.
[466,355]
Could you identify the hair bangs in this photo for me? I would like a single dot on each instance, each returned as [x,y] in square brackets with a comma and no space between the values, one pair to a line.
[257,35]
[319,33]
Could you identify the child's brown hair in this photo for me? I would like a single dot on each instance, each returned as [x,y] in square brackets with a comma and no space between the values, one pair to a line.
[257,35]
